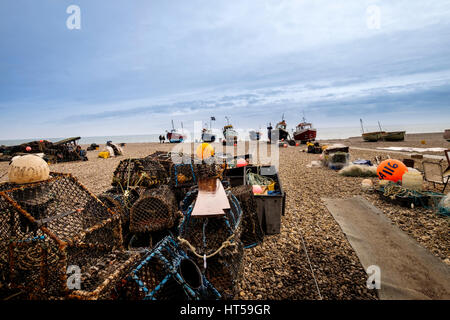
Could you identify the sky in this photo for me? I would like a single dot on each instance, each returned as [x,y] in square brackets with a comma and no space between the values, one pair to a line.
[133,66]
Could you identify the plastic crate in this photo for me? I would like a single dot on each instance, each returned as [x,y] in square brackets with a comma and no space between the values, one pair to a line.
[235,176]
[270,208]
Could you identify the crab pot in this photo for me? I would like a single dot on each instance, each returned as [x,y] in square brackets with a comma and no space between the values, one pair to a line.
[41,224]
[252,234]
[102,274]
[219,239]
[121,203]
[155,210]
[145,172]
[167,273]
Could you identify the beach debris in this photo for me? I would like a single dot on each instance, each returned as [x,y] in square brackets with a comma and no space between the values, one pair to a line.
[367,184]
[335,156]
[314,148]
[28,169]
[363,162]
[408,197]
[314,164]
[391,169]
[60,151]
[356,170]
[93,146]
[104,154]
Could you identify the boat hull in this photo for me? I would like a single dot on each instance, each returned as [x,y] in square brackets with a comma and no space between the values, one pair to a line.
[394,136]
[372,136]
[305,135]
[208,138]
[174,137]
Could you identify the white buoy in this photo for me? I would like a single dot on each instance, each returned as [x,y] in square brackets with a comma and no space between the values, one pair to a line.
[28,169]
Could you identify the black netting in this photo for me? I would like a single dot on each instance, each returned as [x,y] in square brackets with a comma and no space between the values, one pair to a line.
[252,233]
[145,172]
[155,210]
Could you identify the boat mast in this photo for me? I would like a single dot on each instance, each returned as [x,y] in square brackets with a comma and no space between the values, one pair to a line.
[362,128]
[173,127]
[379,125]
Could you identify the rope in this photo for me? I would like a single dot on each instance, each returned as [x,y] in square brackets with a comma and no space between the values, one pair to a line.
[225,244]
[310,265]
[256,179]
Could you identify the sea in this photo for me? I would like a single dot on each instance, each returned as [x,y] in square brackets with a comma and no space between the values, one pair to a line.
[322,134]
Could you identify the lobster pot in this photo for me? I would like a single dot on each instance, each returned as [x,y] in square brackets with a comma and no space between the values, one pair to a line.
[102,273]
[167,273]
[252,234]
[155,210]
[39,222]
[120,202]
[145,172]
[217,238]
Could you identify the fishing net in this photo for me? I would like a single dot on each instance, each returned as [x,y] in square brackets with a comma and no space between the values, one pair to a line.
[214,243]
[145,172]
[167,273]
[252,233]
[413,198]
[41,221]
[156,209]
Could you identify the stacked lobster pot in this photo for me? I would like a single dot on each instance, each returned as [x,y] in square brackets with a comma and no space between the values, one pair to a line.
[146,204]
[252,234]
[166,272]
[214,243]
[58,240]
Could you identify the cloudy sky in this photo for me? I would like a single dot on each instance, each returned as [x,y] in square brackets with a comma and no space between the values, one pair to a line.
[135,65]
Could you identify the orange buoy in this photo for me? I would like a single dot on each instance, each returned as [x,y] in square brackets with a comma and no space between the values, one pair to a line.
[297,144]
[285,145]
[392,170]
[204,151]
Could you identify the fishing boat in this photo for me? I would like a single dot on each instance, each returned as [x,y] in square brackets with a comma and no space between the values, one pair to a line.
[207,134]
[447,135]
[230,135]
[255,135]
[279,132]
[174,136]
[394,136]
[305,132]
[371,136]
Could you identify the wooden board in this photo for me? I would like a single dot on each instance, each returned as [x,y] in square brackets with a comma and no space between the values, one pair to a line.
[211,199]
